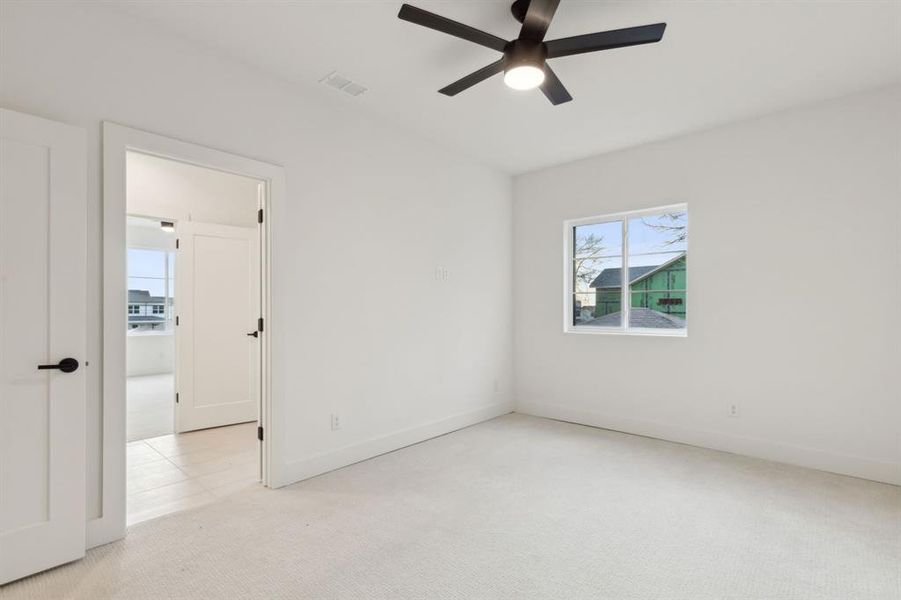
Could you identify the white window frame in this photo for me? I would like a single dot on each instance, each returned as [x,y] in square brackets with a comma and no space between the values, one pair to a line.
[625,300]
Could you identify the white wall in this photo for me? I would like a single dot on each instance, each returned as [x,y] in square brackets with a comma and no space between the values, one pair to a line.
[369,207]
[158,187]
[149,354]
[794,296]
[145,233]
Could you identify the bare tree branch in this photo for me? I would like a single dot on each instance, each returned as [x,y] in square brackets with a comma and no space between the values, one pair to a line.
[671,223]
[588,248]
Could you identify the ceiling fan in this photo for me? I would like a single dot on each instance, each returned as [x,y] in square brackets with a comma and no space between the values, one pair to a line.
[525,59]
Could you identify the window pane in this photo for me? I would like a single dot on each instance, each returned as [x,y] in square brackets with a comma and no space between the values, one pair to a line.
[666,232]
[152,287]
[597,303]
[596,271]
[595,248]
[600,239]
[146,263]
[147,290]
[657,271]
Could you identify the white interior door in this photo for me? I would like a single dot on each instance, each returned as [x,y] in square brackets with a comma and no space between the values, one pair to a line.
[42,322]
[217,303]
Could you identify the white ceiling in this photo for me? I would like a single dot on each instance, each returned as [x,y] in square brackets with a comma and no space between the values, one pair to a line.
[719,61]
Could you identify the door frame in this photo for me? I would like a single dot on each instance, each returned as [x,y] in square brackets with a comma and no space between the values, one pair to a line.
[117,140]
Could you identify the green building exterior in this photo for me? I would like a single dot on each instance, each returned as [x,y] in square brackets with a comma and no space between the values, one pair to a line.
[657,287]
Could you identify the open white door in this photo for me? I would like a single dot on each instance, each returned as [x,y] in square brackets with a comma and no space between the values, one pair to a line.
[217,303]
[42,322]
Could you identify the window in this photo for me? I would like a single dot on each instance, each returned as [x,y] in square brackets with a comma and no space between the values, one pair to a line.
[151,286]
[651,247]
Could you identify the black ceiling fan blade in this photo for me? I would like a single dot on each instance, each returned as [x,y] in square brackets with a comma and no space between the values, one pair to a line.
[473,78]
[445,25]
[553,88]
[605,40]
[537,20]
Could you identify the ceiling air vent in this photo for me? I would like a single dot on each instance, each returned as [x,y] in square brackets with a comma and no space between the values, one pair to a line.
[340,82]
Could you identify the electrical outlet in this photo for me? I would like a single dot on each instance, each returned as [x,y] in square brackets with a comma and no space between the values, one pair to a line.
[336,422]
[733,410]
[441,274]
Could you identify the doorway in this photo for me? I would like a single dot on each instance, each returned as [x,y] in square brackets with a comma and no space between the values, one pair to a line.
[186,326]
[194,288]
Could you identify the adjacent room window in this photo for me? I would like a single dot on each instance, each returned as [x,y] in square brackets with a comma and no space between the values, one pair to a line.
[151,287]
[626,273]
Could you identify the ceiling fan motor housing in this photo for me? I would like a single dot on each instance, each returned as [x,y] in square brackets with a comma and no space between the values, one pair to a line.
[524,53]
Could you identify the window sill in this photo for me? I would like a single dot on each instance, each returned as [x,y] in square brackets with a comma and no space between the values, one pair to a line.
[583,330]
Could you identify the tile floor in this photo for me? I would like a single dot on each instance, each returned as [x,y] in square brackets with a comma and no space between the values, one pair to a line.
[174,472]
[151,406]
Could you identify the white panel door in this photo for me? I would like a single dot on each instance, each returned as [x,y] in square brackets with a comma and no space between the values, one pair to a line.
[42,322]
[217,301]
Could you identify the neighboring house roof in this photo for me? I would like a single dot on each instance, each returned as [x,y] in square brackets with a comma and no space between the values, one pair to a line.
[612,278]
[143,296]
[640,317]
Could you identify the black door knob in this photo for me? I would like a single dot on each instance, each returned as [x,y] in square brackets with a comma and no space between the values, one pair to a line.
[254,334]
[66,365]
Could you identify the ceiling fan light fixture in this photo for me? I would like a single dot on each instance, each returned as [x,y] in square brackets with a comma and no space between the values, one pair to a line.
[524,61]
[524,77]
[524,64]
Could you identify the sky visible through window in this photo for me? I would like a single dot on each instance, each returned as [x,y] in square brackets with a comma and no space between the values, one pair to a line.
[150,299]
[147,271]
[653,240]
[656,233]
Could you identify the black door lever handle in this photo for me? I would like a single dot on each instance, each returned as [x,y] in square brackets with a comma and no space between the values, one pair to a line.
[66,365]
[254,334]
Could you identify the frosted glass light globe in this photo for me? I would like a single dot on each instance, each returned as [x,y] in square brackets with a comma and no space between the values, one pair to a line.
[525,77]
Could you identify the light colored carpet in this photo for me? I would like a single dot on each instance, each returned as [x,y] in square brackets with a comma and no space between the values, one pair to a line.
[518,508]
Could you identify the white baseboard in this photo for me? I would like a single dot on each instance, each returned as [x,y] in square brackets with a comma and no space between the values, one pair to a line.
[823,460]
[348,455]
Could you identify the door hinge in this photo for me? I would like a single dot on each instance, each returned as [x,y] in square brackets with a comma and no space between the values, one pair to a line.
[260,432]
[176,397]
[176,320]
[260,216]
[176,243]
[260,324]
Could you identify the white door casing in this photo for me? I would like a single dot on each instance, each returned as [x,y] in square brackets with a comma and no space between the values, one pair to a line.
[117,141]
[42,320]
[217,302]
